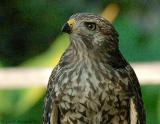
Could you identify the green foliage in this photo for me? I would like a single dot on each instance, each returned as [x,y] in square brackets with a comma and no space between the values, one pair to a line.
[151,96]
[28,27]
[137,43]
[51,56]
[21,106]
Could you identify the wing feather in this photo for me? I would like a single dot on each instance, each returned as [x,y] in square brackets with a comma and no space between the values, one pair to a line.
[51,114]
[118,62]
[136,102]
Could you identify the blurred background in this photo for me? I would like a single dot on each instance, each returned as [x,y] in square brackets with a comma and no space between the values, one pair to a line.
[31,44]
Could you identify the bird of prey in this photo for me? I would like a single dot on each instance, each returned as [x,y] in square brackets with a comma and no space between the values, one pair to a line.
[93,83]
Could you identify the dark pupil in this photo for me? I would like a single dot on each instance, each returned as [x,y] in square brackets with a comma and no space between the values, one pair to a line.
[91,26]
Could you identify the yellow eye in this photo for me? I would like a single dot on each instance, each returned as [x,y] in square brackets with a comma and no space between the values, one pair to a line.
[90,26]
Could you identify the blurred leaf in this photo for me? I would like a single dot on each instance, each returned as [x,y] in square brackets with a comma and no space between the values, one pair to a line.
[8,99]
[51,57]
[28,100]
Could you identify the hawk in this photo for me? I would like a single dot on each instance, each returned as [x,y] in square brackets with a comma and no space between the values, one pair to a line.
[93,83]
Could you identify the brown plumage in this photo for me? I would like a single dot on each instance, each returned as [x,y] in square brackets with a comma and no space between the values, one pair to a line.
[93,83]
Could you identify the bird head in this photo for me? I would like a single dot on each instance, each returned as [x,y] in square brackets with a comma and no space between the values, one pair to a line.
[91,31]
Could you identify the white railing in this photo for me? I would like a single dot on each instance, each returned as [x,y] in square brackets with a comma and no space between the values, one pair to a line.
[148,73]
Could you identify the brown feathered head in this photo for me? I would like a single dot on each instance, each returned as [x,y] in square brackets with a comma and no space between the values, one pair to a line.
[91,31]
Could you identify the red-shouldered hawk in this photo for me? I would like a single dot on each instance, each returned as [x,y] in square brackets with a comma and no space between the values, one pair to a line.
[93,83]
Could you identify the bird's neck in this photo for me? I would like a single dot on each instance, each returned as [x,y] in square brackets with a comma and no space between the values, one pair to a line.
[77,53]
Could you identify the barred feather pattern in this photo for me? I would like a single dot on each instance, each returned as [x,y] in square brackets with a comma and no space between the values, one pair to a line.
[89,91]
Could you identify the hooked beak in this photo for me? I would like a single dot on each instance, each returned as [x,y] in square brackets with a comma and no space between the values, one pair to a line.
[67,27]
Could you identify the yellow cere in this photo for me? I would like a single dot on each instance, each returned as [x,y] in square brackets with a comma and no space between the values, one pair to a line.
[71,22]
